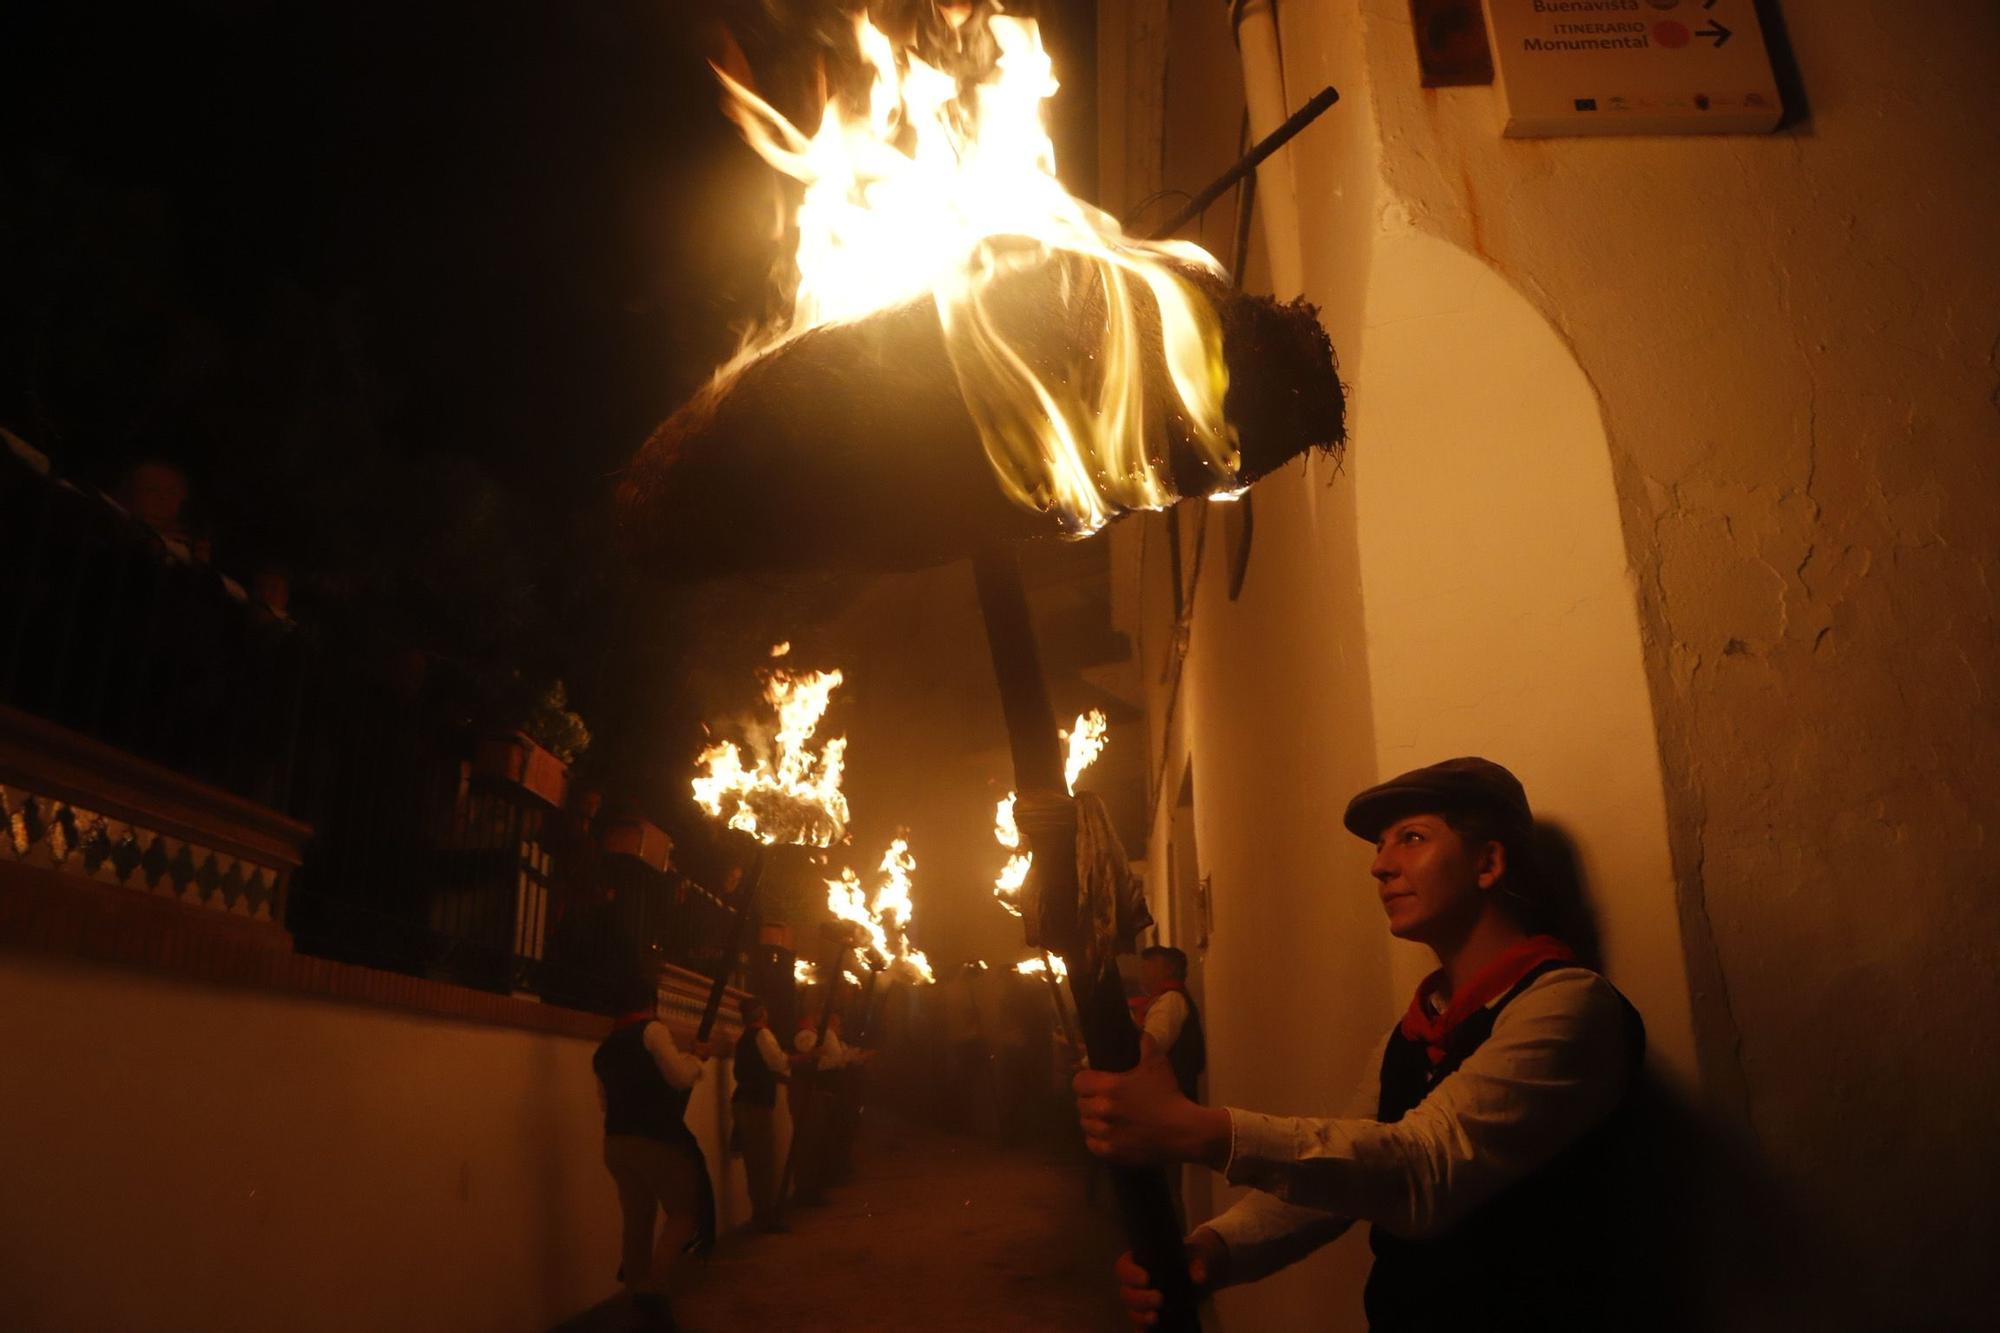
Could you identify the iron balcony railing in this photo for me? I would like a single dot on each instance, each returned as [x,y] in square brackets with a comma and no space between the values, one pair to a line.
[424,857]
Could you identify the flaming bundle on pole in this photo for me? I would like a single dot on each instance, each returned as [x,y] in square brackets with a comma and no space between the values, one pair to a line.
[883,914]
[787,790]
[971,354]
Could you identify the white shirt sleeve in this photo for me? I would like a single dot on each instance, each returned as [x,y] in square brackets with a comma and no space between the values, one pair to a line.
[1264,1234]
[676,1066]
[1556,1064]
[1165,1017]
[774,1058]
[835,1055]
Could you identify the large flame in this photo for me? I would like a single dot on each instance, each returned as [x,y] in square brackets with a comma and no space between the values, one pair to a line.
[942,186]
[791,792]
[1082,743]
[1035,967]
[1007,885]
[884,915]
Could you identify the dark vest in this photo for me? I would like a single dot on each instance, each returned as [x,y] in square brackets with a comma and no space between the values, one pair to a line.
[1190,1053]
[755,1083]
[637,1097]
[1544,1254]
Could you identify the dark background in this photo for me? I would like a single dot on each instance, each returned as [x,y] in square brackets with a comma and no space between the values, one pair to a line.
[400,287]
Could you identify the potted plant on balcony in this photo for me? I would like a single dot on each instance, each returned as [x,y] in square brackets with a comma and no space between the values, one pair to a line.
[537,754]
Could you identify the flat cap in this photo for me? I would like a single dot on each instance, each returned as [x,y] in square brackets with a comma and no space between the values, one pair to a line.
[1464,784]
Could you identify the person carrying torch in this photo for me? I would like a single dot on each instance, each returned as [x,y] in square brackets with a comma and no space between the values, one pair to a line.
[762,1071]
[1171,1025]
[1480,1148]
[643,1083]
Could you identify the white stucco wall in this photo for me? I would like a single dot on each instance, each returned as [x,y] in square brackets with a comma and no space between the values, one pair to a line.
[1501,619]
[182,1156]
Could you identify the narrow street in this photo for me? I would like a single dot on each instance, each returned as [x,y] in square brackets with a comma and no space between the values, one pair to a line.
[936,1231]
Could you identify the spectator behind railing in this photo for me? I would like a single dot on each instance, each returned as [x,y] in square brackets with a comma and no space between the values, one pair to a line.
[271,593]
[112,625]
[155,493]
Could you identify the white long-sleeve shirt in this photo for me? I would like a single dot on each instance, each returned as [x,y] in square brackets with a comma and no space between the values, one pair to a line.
[1556,1064]
[771,1053]
[677,1067]
[837,1054]
[1166,1015]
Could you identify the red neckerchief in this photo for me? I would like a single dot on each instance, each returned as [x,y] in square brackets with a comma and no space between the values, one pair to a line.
[637,1018]
[1494,980]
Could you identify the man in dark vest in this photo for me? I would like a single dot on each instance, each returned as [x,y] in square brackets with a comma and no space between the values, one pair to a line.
[643,1081]
[762,1067]
[1172,1024]
[1478,1150]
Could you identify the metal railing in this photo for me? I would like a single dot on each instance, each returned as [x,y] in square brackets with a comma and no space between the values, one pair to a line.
[423,858]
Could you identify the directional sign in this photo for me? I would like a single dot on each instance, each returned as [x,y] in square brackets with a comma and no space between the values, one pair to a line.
[1632,67]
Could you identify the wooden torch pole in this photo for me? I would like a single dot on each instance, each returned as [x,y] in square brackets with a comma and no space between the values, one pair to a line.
[1055,994]
[1145,1201]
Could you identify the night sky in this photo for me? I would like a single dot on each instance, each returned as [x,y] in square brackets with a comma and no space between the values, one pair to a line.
[518,227]
[399,286]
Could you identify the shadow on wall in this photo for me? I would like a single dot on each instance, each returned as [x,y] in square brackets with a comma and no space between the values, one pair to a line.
[1724,1243]
[1562,906]
[1717,1240]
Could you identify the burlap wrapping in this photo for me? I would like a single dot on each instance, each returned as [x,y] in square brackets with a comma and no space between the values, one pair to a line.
[1111,900]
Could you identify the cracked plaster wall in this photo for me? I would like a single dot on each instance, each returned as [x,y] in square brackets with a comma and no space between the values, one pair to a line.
[1792,340]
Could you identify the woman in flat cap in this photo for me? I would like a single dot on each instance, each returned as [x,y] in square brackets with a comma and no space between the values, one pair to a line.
[1479,1149]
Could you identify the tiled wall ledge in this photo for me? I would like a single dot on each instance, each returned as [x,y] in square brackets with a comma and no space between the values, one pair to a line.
[97,815]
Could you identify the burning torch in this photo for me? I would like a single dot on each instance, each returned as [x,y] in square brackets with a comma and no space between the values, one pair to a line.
[973,357]
[786,792]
